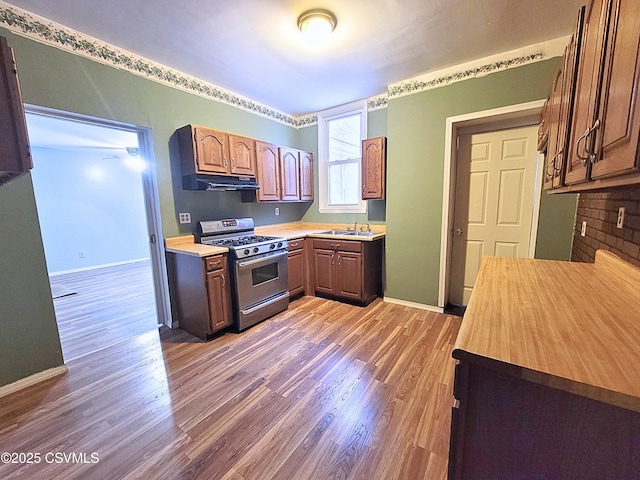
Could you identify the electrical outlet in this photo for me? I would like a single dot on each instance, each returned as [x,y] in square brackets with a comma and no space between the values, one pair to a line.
[277,211]
[620,222]
[583,231]
[81,254]
[185,217]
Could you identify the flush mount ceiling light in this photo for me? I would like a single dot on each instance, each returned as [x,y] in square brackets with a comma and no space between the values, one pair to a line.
[317,24]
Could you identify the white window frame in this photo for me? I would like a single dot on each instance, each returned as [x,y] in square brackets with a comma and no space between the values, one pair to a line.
[323,153]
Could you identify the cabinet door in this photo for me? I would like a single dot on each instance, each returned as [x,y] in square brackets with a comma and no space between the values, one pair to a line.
[587,93]
[553,147]
[349,275]
[268,171]
[324,272]
[373,168]
[543,127]
[15,157]
[219,299]
[296,272]
[306,176]
[617,138]
[565,112]
[242,151]
[289,174]
[212,151]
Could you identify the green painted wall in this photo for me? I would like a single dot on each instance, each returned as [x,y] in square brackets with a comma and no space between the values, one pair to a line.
[53,78]
[29,341]
[415,164]
[555,226]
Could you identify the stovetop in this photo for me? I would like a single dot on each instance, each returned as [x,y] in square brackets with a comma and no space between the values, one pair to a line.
[238,242]
[238,236]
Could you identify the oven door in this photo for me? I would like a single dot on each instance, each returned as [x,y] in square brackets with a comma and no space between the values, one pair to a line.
[261,277]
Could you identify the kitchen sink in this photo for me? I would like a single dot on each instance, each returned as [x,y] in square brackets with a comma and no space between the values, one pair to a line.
[350,233]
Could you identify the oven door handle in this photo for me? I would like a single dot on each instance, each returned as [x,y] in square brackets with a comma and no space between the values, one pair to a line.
[267,259]
[274,299]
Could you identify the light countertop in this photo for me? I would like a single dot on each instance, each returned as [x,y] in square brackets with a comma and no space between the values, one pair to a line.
[569,325]
[185,244]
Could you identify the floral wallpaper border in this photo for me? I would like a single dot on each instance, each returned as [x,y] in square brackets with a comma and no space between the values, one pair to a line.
[40,29]
[415,86]
[26,24]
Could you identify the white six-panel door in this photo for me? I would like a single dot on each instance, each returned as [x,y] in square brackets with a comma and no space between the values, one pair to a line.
[495,182]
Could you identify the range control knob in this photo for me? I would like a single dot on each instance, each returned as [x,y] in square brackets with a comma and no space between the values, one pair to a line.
[279,244]
[272,246]
[246,251]
[256,249]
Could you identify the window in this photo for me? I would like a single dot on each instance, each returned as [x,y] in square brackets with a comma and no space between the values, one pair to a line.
[340,134]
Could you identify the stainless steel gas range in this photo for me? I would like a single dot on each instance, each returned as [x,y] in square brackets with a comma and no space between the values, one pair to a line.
[258,266]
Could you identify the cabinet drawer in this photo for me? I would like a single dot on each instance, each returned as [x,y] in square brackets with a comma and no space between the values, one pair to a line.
[215,263]
[342,245]
[295,244]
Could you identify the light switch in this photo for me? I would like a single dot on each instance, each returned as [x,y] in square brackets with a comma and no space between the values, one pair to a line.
[583,231]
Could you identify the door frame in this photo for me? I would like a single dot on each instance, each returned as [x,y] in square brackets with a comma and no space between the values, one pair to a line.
[151,200]
[513,116]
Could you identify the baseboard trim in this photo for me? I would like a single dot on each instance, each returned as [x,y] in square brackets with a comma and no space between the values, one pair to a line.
[95,267]
[421,306]
[32,380]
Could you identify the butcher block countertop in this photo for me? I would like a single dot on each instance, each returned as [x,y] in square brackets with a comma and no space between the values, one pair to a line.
[571,326]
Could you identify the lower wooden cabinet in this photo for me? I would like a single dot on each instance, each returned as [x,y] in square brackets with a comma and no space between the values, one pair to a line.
[297,267]
[201,293]
[348,270]
[504,425]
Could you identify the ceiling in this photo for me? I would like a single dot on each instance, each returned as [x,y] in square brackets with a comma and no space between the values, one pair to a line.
[253,47]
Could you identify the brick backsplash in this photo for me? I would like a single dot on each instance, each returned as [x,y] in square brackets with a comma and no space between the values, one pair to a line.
[600,211]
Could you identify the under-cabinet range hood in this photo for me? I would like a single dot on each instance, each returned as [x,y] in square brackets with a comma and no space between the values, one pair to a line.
[218,183]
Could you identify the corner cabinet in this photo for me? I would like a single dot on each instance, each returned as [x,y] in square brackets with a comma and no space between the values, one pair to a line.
[374,158]
[15,157]
[201,291]
[284,174]
[207,151]
[348,270]
[306,176]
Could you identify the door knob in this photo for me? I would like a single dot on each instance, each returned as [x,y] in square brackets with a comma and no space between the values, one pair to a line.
[458,231]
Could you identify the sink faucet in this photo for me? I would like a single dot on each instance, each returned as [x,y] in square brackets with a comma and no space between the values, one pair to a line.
[355,226]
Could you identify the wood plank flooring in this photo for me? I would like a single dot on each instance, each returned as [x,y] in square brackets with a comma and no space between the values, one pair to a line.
[324,390]
[111,304]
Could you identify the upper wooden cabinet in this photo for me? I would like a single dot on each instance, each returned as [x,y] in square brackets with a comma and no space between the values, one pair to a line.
[15,157]
[268,171]
[289,174]
[306,176]
[604,127]
[242,152]
[284,174]
[207,151]
[557,113]
[374,157]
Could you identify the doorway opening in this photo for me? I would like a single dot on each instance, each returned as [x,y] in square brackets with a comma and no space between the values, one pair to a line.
[97,203]
[515,116]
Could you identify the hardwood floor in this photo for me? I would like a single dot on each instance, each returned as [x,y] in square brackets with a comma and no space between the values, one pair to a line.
[111,304]
[324,390]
